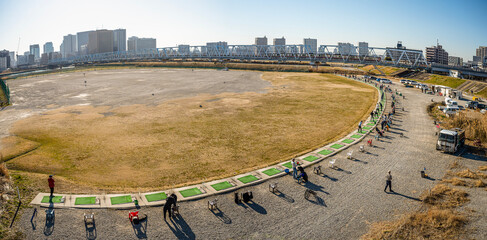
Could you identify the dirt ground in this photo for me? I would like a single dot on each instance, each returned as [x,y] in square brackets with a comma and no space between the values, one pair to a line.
[147,129]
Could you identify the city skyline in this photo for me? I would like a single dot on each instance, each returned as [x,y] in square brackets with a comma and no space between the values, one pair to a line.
[380,23]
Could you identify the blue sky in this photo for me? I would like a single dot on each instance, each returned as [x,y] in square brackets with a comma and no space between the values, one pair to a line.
[460,26]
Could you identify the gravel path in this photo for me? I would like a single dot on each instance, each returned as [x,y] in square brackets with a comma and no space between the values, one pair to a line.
[349,199]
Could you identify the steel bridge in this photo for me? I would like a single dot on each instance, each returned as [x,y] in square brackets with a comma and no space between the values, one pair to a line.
[281,53]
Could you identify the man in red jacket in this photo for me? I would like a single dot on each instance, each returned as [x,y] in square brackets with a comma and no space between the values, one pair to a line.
[51,184]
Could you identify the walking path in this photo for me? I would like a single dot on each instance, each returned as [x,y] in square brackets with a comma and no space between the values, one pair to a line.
[349,197]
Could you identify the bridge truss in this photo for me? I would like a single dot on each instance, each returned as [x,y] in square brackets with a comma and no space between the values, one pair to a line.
[280,53]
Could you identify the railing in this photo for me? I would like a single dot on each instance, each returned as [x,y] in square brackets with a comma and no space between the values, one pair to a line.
[6,91]
[281,53]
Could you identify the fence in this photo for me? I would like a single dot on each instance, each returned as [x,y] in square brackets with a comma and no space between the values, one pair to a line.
[6,91]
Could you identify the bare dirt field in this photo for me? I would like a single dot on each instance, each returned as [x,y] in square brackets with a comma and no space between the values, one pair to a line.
[143,129]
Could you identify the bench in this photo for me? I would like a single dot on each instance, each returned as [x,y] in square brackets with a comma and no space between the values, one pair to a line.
[317,170]
[309,192]
[332,163]
[272,187]
[350,155]
[213,204]
[89,218]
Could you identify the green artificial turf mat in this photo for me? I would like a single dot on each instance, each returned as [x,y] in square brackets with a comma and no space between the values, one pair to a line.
[155,197]
[362,132]
[288,165]
[271,171]
[348,141]
[367,128]
[55,199]
[356,136]
[222,185]
[85,201]
[325,152]
[371,124]
[190,192]
[310,158]
[121,199]
[336,146]
[247,179]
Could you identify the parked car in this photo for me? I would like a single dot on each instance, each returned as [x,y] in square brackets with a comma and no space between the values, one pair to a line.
[472,104]
[404,81]
[386,81]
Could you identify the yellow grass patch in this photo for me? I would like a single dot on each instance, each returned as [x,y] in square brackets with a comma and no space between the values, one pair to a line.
[14,146]
[431,224]
[178,142]
[483,168]
[444,196]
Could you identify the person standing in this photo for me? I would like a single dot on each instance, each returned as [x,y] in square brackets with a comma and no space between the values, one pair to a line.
[360,126]
[295,170]
[171,200]
[50,180]
[388,182]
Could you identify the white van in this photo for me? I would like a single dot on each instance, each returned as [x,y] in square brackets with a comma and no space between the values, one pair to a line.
[450,109]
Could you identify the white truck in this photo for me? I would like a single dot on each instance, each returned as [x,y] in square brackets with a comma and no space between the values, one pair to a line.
[450,141]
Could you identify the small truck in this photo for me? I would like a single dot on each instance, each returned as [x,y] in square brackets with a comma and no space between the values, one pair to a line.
[450,141]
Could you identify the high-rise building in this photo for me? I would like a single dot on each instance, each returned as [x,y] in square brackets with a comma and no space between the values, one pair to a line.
[279,41]
[131,43]
[346,49]
[135,43]
[100,41]
[261,41]
[13,61]
[44,58]
[70,46]
[363,49]
[455,61]
[436,54]
[35,50]
[215,48]
[279,45]
[481,52]
[412,54]
[311,44]
[48,47]
[6,54]
[82,40]
[3,63]
[119,40]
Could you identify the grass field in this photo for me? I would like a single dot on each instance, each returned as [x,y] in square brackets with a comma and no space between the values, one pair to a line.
[445,81]
[176,143]
[387,70]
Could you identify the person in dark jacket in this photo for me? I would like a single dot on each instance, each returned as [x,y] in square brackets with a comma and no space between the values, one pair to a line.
[171,200]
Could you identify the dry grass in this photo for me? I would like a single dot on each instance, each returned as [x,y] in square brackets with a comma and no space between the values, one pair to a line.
[431,224]
[473,122]
[443,196]
[456,182]
[142,148]
[483,168]
[4,171]
[467,173]
[14,146]
[438,220]
[386,70]
[480,184]
[245,66]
